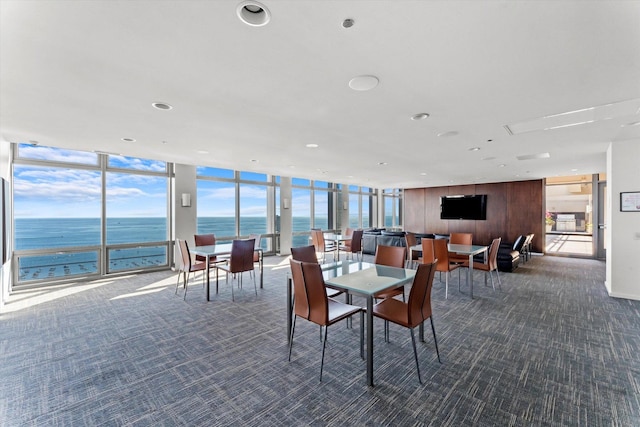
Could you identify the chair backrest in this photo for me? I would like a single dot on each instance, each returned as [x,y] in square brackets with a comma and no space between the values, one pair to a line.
[241,258]
[393,256]
[318,240]
[348,231]
[184,257]
[428,250]
[419,304]
[308,287]
[205,239]
[356,241]
[493,253]
[304,254]
[517,245]
[410,239]
[441,252]
[461,238]
[258,240]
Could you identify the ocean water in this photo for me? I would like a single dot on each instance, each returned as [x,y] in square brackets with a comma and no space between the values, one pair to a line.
[51,233]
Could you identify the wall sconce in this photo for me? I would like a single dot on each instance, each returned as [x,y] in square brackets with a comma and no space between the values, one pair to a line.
[345,206]
[186,200]
[285,203]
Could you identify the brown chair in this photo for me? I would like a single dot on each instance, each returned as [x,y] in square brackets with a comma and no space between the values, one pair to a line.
[347,243]
[428,251]
[460,239]
[444,265]
[312,304]
[490,265]
[355,245]
[205,240]
[308,254]
[185,266]
[411,240]
[414,312]
[393,256]
[322,247]
[241,260]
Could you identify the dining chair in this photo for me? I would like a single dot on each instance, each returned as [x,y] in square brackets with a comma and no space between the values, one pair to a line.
[240,260]
[491,263]
[355,245]
[322,247]
[205,240]
[414,312]
[411,240]
[308,254]
[347,243]
[392,256]
[312,304]
[460,239]
[428,251]
[444,265]
[185,265]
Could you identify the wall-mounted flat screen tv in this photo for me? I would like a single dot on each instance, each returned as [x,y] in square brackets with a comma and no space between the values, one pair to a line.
[464,207]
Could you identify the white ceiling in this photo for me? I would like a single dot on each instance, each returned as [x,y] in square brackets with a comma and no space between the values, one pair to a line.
[83,75]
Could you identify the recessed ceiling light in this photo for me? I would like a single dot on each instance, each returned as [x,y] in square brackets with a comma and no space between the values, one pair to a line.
[202,152]
[488,158]
[162,106]
[382,163]
[253,13]
[254,161]
[502,165]
[312,145]
[362,83]
[489,140]
[447,134]
[164,142]
[128,140]
[33,142]
[348,23]
[423,173]
[631,124]
[420,116]
[474,149]
[534,156]
[574,170]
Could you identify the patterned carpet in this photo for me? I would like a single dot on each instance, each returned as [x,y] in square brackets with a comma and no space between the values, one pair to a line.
[550,349]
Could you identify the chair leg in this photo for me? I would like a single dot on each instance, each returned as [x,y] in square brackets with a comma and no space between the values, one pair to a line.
[498,276]
[255,288]
[324,345]
[491,276]
[293,328]
[415,353]
[435,340]
[446,284]
[186,282]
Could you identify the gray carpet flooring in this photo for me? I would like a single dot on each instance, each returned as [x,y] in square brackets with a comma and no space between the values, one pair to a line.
[549,349]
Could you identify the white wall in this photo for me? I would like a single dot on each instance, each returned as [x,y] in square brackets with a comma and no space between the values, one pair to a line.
[185,218]
[623,229]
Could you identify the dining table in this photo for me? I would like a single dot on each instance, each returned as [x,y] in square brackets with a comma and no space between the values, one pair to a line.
[359,278]
[469,250]
[221,249]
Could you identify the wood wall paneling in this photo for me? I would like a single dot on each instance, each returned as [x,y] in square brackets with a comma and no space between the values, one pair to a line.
[513,208]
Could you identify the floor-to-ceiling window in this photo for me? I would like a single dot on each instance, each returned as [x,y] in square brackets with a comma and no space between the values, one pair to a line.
[233,204]
[392,199]
[80,214]
[360,203]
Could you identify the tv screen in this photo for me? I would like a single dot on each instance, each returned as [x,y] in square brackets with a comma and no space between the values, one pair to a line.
[464,207]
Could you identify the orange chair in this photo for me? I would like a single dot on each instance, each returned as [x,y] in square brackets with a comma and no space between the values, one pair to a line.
[428,251]
[317,237]
[312,304]
[411,240]
[444,265]
[392,256]
[460,239]
[185,265]
[241,260]
[491,264]
[415,311]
